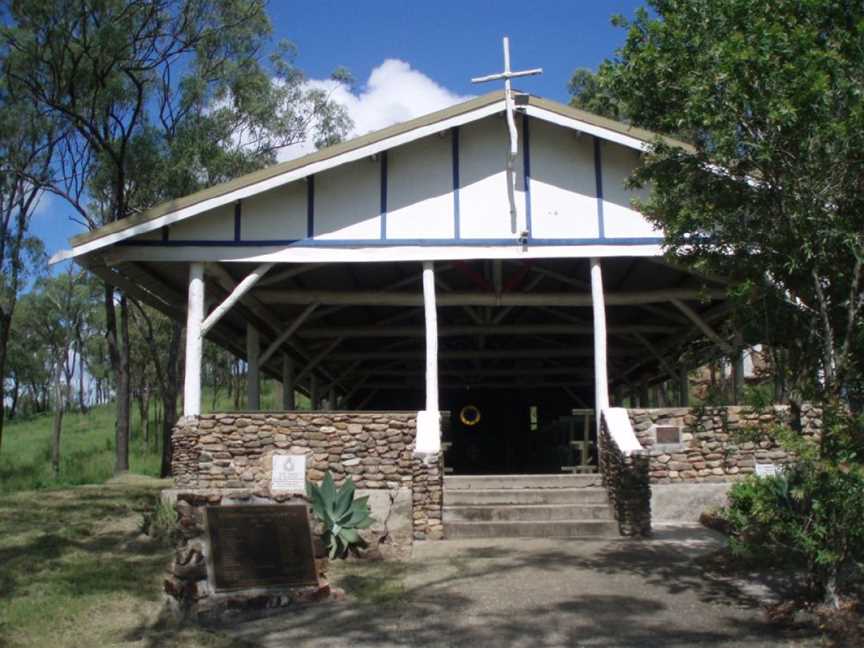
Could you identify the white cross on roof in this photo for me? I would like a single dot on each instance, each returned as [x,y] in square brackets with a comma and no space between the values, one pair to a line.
[508,74]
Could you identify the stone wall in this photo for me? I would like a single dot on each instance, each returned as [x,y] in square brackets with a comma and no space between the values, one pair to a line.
[627,483]
[229,451]
[718,443]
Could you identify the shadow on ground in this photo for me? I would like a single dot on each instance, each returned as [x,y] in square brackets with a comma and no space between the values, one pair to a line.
[541,593]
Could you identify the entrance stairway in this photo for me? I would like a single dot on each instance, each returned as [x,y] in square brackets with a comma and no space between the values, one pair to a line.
[508,506]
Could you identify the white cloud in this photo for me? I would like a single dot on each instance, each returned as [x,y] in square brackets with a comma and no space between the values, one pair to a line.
[395,92]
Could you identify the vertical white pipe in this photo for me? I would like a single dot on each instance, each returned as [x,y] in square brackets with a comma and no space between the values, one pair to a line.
[601,375]
[253,351]
[194,341]
[288,383]
[428,439]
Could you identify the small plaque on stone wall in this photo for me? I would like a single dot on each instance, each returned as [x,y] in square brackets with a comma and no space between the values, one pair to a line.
[261,546]
[289,473]
[668,434]
[767,470]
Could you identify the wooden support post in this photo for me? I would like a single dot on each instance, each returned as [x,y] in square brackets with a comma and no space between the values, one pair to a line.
[194,341]
[683,387]
[331,399]
[288,383]
[601,376]
[738,370]
[313,392]
[428,440]
[644,395]
[253,382]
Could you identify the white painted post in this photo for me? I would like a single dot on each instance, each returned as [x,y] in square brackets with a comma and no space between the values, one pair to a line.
[288,383]
[253,351]
[194,341]
[428,439]
[601,375]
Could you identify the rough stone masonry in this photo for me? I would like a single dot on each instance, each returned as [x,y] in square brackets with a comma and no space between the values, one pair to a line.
[230,451]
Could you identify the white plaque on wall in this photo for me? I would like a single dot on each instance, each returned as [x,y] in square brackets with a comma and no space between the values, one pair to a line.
[289,473]
[767,470]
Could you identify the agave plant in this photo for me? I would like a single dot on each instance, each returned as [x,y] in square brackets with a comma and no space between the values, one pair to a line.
[341,514]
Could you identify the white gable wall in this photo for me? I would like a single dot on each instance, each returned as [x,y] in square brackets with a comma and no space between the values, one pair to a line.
[419,207]
[420,201]
[484,211]
[562,184]
[619,218]
[348,202]
[278,214]
[215,225]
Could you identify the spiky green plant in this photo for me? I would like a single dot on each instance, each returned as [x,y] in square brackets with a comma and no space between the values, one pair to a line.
[342,515]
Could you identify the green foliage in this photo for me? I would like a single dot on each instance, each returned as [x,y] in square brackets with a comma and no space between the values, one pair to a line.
[771,97]
[341,514]
[811,515]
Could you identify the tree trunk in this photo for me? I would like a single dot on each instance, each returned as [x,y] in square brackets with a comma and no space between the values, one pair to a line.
[82,400]
[118,352]
[169,397]
[59,405]
[13,398]
[144,410]
[5,326]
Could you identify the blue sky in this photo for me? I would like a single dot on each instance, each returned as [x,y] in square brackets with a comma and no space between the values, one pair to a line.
[409,58]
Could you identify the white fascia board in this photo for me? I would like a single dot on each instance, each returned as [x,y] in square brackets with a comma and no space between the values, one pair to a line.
[290,176]
[585,127]
[299,254]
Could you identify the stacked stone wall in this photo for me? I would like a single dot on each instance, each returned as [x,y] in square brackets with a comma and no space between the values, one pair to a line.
[627,484]
[231,451]
[719,444]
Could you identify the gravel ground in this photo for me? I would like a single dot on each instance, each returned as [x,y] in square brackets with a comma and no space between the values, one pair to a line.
[546,592]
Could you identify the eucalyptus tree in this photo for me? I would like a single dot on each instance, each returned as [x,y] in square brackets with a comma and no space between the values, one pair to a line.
[771,96]
[26,142]
[158,98]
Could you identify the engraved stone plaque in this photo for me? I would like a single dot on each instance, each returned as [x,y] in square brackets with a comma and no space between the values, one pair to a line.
[261,546]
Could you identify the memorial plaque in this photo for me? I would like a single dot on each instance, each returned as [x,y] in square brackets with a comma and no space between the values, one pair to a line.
[288,473]
[261,546]
[667,434]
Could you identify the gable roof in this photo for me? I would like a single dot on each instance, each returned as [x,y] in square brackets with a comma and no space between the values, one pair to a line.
[356,148]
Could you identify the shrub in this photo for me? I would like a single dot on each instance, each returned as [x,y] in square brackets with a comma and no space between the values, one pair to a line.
[812,515]
[341,514]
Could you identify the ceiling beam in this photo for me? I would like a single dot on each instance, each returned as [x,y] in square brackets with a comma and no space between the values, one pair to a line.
[378,298]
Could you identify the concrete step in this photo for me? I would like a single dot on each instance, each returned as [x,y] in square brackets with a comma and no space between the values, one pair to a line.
[547,496]
[485,482]
[526,513]
[523,529]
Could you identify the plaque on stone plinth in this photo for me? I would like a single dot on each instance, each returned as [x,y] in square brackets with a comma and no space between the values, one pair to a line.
[288,473]
[261,546]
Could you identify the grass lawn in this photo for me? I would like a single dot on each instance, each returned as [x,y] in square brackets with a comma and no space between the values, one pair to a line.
[75,570]
[87,445]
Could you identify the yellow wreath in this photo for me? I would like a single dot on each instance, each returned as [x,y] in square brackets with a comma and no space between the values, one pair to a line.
[469,415]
